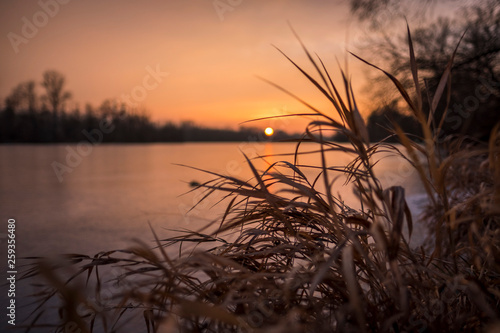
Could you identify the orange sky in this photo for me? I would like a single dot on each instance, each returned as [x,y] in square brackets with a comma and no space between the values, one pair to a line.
[104,48]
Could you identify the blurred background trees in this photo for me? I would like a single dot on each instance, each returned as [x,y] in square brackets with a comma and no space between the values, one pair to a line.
[474,100]
[55,95]
[30,118]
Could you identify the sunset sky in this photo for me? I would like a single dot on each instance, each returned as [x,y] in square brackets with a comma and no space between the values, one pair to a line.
[212,55]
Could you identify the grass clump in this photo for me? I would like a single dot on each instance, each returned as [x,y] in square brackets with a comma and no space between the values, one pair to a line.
[288,256]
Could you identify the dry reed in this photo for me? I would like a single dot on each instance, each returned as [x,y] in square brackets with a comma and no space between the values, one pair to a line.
[286,257]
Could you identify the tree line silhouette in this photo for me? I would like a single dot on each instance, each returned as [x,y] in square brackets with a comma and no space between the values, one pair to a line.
[28,118]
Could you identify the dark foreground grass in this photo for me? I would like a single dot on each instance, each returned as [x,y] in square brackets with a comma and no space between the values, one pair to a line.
[286,257]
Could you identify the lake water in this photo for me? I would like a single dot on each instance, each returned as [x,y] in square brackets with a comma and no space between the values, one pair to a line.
[104,199]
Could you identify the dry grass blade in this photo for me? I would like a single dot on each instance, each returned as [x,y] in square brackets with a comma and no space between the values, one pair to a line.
[394,198]
[444,79]
[414,71]
[350,278]
[358,122]
[494,162]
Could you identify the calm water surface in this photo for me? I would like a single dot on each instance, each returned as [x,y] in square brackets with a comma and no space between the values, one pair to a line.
[111,195]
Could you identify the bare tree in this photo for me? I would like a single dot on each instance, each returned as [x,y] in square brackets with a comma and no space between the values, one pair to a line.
[53,82]
[23,97]
[30,96]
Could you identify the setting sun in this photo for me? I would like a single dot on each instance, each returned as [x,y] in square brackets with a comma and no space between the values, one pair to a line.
[269,131]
